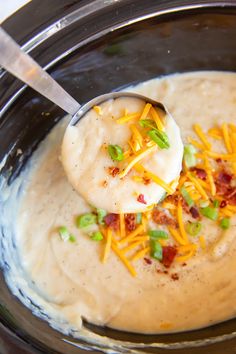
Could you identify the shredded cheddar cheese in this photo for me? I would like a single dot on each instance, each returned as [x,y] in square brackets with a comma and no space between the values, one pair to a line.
[127,118]
[225,132]
[124,260]
[198,186]
[202,136]
[154,178]
[145,111]
[141,155]
[177,237]
[180,221]
[122,225]
[140,254]
[132,235]
[156,119]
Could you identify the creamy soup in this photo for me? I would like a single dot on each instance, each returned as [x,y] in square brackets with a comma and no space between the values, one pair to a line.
[64,268]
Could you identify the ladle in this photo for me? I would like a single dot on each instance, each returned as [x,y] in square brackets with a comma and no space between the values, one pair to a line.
[24,67]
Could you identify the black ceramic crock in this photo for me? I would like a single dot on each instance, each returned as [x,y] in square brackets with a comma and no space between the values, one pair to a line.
[93,47]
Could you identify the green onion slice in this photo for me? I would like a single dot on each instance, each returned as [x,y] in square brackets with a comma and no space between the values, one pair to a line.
[225,223]
[187,197]
[193,228]
[86,220]
[65,234]
[216,203]
[156,250]
[101,213]
[210,213]
[115,152]
[157,234]
[160,138]
[203,203]
[139,218]
[189,155]
[96,236]
[72,238]
[147,123]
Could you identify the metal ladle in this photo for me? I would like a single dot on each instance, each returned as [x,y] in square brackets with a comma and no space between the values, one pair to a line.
[21,65]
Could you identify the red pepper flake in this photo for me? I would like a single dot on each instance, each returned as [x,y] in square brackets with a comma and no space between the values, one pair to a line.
[219,160]
[168,255]
[113,171]
[112,220]
[200,173]
[161,218]
[130,222]
[174,276]
[194,212]
[141,199]
[223,203]
[147,260]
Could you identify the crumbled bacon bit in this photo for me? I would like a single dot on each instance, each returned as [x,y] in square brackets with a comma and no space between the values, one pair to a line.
[168,255]
[112,220]
[200,173]
[194,212]
[130,222]
[147,260]
[223,203]
[174,198]
[146,180]
[224,177]
[174,276]
[113,171]
[161,218]
[141,199]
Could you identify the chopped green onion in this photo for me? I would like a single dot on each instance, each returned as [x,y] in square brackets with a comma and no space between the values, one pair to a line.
[138,218]
[189,155]
[101,213]
[72,238]
[86,220]
[203,203]
[193,228]
[65,235]
[156,250]
[115,152]
[147,123]
[225,223]
[157,234]
[160,138]
[210,213]
[216,203]
[187,197]
[96,236]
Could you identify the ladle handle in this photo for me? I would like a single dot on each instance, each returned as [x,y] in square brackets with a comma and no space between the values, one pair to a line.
[21,65]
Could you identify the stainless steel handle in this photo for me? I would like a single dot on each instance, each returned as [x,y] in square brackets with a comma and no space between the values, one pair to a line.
[21,65]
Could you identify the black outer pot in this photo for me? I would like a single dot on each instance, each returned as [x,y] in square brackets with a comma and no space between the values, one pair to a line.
[94,50]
